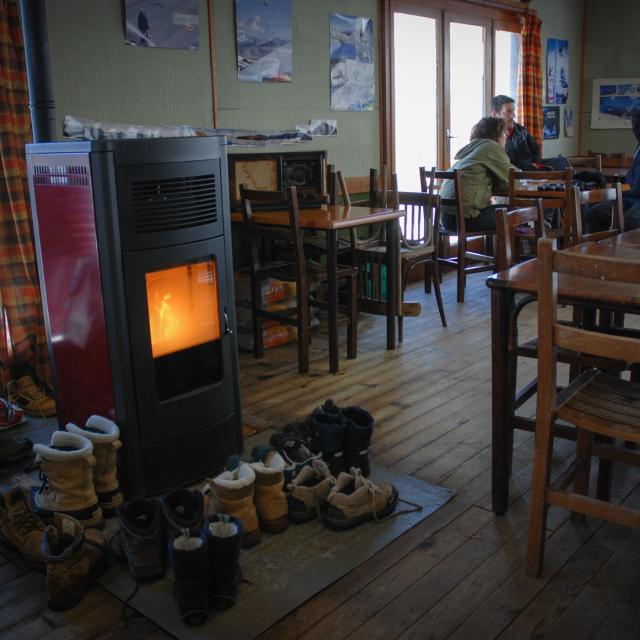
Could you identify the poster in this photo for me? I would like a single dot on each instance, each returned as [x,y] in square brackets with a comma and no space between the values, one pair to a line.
[557,71]
[172,24]
[613,101]
[263,38]
[351,62]
[568,122]
[550,122]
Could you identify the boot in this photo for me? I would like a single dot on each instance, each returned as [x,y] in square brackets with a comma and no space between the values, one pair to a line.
[75,558]
[294,452]
[141,538]
[270,501]
[105,436]
[21,528]
[354,500]
[330,428]
[232,494]
[308,491]
[67,464]
[189,559]
[357,438]
[224,537]
[182,509]
[35,399]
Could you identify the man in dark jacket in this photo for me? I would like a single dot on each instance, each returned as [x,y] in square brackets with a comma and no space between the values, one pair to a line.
[598,218]
[522,149]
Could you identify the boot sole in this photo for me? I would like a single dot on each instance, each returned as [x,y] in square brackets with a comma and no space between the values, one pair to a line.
[275,526]
[251,539]
[300,517]
[63,604]
[341,525]
[90,517]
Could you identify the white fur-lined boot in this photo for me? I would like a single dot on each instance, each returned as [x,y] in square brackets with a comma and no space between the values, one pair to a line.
[67,466]
[105,436]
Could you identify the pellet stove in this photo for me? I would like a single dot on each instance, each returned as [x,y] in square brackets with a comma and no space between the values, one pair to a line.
[133,243]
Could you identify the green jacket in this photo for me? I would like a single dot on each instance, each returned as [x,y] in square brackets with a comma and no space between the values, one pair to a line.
[484,168]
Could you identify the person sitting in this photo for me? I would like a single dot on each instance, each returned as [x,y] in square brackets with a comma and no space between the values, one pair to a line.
[598,217]
[523,150]
[484,168]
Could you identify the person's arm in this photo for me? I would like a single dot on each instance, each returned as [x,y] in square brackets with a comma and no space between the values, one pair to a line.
[499,166]
[534,148]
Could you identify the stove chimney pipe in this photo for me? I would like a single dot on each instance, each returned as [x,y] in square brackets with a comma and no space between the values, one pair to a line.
[36,49]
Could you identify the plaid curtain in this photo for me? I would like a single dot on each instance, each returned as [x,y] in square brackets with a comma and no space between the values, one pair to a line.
[530,76]
[22,334]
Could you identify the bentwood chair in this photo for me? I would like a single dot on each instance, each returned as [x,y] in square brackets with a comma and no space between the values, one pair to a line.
[597,403]
[464,261]
[292,268]
[581,199]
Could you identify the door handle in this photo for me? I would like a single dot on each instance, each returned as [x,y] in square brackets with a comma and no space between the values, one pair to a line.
[228,331]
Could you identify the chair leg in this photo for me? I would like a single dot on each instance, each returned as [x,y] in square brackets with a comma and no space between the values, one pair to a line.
[434,269]
[352,329]
[428,276]
[538,506]
[400,328]
[303,330]
[258,343]
[581,479]
[462,249]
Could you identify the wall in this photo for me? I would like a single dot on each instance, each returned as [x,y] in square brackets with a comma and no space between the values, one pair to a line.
[97,76]
[246,105]
[563,20]
[612,51]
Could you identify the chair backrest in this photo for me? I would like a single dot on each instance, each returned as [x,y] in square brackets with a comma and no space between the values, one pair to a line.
[380,194]
[436,179]
[552,335]
[506,223]
[287,199]
[416,226]
[580,199]
[611,160]
[591,162]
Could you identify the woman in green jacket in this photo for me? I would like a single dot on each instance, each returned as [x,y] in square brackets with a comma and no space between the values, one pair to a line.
[484,169]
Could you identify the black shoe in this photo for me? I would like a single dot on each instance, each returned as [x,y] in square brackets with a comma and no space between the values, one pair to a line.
[189,557]
[182,509]
[223,534]
[357,438]
[330,428]
[142,539]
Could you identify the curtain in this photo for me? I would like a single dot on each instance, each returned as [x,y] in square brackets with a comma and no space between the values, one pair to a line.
[530,76]
[22,333]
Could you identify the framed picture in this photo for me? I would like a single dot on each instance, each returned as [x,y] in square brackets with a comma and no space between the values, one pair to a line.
[557,71]
[568,122]
[172,24]
[550,122]
[613,102]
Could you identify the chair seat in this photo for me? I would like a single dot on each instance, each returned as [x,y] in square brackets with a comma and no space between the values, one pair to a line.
[316,273]
[405,252]
[605,405]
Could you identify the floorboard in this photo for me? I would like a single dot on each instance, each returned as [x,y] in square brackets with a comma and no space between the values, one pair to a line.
[459,574]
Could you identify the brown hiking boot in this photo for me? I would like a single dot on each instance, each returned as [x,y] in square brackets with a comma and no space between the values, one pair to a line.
[355,500]
[75,558]
[67,466]
[232,493]
[269,498]
[308,491]
[21,528]
[33,398]
[105,436]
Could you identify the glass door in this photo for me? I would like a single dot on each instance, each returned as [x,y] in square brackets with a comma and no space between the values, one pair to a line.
[467,81]
[416,90]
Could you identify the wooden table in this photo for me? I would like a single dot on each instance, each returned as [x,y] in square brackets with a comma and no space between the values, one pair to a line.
[522,278]
[331,219]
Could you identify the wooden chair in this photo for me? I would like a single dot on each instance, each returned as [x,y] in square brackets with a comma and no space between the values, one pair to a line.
[580,199]
[507,222]
[591,162]
[461,261]
[611,160]
[294,268]
[524,195]
[595,402]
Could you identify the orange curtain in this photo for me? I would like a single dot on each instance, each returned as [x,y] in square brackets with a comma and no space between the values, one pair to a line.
[22,334]
[530,76]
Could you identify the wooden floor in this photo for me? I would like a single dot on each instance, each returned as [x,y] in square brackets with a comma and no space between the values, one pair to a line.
[459,574]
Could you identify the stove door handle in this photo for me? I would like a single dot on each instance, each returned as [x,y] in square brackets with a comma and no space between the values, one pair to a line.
[228,331]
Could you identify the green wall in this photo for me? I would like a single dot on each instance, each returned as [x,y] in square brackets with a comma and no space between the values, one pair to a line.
[612,51]
[96,75]
[562,19]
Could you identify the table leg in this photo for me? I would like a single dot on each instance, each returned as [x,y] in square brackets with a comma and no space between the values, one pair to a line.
[332,297]
[393,253]
[502,303]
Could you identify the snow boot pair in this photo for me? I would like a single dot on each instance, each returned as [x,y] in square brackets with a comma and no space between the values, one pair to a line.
[205,567]
[75,558]
[307,493]
[79,469]
[253,493]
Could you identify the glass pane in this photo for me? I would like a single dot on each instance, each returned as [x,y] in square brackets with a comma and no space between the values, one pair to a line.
[507,60]
[415,97]
[466,79]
